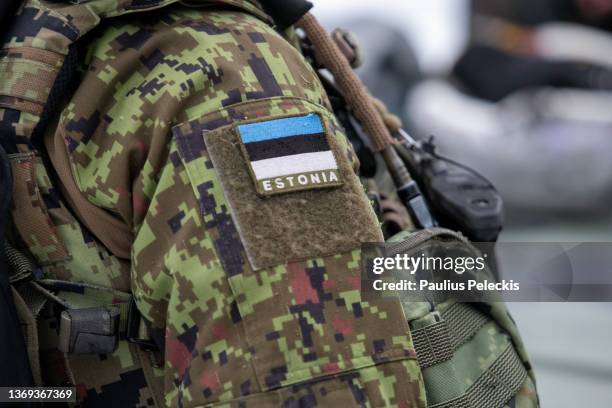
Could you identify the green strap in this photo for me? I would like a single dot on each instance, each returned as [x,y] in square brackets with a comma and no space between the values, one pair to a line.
[437,342]
[495,387]
[433,344]
[464,321]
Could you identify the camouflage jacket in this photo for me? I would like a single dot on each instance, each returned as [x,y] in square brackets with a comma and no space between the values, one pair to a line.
[249,285]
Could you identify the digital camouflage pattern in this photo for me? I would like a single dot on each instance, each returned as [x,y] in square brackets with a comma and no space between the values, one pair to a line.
[230,332]
[100,379]
[35,47]
[292,334]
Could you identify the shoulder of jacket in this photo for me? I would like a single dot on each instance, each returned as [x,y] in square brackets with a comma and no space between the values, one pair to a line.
[81,16]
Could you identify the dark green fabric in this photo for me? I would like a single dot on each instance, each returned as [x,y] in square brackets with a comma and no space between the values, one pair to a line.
[437,342]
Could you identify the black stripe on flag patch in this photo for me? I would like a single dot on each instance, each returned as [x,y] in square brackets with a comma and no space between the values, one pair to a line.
[287,146]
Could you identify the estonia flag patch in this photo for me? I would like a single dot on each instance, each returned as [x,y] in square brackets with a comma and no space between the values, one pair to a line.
[289,154]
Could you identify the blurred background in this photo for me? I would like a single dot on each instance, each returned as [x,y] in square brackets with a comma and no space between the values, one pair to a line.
[520,90]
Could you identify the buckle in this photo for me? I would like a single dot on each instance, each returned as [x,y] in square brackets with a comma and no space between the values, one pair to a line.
[136,332]
[89,331]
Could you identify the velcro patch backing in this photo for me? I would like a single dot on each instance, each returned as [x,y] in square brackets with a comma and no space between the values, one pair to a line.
[302,225]
[289,154]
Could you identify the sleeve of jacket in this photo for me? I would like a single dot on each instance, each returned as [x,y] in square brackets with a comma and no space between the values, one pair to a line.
[144,78]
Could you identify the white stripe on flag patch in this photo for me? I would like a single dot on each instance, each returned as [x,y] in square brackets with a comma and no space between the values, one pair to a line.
[297,163]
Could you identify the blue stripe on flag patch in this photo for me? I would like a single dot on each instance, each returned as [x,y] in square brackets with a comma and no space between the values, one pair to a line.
[279,128]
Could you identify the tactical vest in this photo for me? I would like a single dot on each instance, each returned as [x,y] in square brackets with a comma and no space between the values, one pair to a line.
[69,325]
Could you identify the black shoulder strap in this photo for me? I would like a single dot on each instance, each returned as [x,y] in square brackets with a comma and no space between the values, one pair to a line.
[286,13]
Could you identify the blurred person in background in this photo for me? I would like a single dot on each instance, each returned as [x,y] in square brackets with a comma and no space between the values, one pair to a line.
[529,100]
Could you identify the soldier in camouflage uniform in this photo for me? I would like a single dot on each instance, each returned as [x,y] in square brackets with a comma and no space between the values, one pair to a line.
[251,293]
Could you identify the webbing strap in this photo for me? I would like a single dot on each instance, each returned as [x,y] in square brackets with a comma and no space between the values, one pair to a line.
[29,214]
[495,387]
[34,299]
[437,343]
[20,266]
[433,344]
[464,321]
[21,271]
[26,79]
[329,55]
